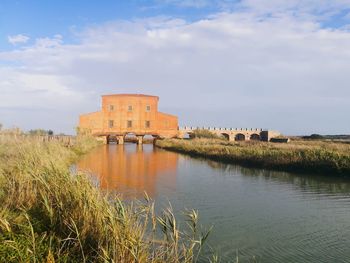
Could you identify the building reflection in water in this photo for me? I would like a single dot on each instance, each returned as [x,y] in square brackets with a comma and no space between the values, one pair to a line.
[131,169]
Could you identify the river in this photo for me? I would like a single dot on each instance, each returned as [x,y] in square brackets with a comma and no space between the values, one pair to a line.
[259,215]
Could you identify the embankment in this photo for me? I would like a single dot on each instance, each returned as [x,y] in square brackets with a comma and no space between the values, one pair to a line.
[302,156]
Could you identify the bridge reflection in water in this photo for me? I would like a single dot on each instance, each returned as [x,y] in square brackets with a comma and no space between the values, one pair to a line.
[131,169]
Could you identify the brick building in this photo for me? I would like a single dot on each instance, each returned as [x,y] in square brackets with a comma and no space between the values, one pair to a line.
[122,114]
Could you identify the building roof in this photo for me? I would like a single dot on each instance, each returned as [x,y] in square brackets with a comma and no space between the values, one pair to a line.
[129,95]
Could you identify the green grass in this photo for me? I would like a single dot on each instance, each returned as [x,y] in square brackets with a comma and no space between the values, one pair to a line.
[48,214]
[303,156]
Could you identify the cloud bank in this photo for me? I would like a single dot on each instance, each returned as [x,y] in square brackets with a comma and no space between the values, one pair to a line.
[283,71]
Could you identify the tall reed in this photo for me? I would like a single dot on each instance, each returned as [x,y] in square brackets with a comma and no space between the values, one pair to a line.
[49,214]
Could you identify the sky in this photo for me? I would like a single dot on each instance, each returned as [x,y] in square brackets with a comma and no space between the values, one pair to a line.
[271,64]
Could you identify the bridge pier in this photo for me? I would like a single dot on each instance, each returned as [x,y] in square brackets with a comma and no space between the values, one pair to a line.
[139,139]
[120,139]
[155,138]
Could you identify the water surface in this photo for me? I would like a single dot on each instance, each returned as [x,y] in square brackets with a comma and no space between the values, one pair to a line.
[266,215]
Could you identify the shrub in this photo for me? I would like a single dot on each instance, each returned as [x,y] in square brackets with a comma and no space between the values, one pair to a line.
[200,133]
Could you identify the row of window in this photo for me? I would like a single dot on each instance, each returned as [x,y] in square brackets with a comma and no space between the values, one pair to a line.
[128,124]
[130,108]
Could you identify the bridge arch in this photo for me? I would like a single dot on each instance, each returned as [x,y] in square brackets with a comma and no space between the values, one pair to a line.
[111,139]
[156,137]
[255,137]
[225,135]
[130,137]
[187,135]
[240,137]
[148,138]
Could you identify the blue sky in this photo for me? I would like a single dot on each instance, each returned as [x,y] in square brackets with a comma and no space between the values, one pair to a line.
[37,18]
[279,64]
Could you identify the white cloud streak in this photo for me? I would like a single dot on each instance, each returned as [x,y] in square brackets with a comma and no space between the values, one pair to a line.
[17,39]
[234,69]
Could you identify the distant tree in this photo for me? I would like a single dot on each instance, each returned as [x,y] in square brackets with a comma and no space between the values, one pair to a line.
[38,132]
[50,132]
[0,126]
[314,137]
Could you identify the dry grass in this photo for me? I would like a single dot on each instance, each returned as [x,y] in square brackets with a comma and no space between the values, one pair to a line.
[48,214]
[306,156]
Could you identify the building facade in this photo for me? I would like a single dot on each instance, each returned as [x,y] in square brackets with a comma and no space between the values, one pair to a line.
[123,114]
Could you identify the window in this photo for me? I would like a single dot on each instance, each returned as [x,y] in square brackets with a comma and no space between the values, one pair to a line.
[129,124]
[110,123]
[111,107]
[147,124]
[130,108]
[148,108]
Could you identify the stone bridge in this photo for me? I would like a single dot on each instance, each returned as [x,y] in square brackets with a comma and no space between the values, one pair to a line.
[231,134]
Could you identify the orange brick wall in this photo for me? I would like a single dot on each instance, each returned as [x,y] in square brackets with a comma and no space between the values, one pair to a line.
[91,122]
[167,124]
[161,124]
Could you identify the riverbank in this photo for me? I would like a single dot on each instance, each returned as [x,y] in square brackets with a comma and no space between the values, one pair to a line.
[321,157]
[48,214]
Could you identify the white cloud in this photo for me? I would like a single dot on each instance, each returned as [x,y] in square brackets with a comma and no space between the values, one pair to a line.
[49,42]
[17,39]
[234,69]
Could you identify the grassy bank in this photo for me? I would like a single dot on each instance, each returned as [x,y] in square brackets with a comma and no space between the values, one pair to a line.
[48,214]
[302,156]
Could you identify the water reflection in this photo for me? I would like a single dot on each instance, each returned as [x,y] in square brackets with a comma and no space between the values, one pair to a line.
[131,169]
[318,184]
[273,216]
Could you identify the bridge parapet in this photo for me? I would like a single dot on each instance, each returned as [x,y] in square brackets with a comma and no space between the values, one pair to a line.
[232,134]
[193,128]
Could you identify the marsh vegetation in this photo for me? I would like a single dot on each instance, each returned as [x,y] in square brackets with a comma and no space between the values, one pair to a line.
[49,214]
[317,156]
